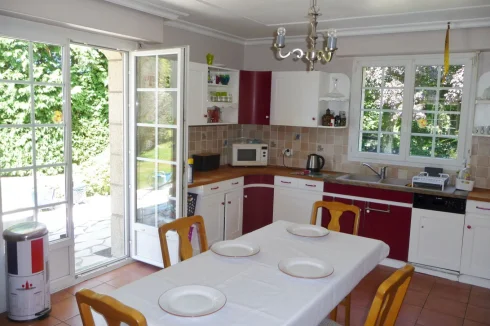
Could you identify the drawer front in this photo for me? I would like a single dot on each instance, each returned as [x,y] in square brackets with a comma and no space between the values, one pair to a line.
[286,182]
[234,183]
[310,185]
[478,207]
[217,187]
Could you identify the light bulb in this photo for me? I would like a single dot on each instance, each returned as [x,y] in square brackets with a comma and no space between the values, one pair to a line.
[281,31]
[332,33]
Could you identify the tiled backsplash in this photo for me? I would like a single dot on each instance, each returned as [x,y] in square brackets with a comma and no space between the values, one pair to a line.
[329,143]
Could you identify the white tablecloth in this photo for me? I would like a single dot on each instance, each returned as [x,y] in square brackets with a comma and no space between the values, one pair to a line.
[257,292]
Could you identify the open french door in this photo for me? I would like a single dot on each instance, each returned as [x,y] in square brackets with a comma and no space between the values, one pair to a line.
[157,147]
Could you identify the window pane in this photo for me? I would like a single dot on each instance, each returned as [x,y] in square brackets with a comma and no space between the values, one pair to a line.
[146,72]
[50,185]
[145,193]
[47,63]
[391,121]
[145,107]
[454,78]
[390,144]
[450,100]
[370,120]
[145,142]
[17,190]
[48,104]
[166,185]
[369,143]
[446,148]
[15,147]
[421,146]
[371,99]
[395,76]
[167,140]
[167,71]
[49,145]
[55,220]
[15,104]
[167,108]
[15,63]
[426,76]
[392,99]
[372,76]
[423,123]
[425,100]
[448,124]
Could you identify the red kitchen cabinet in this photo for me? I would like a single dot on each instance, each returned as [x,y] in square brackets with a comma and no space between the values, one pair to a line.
[390,224]
[255,97]
[258,203]
[347,219]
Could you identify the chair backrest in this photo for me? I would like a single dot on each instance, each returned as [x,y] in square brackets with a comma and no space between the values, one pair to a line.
[389,297]
[336,210]
[182,226]
[111,309]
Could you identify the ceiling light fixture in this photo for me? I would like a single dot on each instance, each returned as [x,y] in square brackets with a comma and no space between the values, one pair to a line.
[312,55]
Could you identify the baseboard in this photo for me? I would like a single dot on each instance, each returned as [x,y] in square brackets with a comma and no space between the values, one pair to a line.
[473,280]
[392,263]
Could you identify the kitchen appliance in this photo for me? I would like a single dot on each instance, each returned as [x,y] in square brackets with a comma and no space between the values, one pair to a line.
[206,161]
[436,231]
[249,154]
[315,163]
[423,180]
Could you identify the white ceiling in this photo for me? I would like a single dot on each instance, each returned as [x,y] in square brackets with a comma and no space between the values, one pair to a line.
[258,19]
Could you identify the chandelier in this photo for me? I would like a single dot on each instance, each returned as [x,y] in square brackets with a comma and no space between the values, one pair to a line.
[312,55]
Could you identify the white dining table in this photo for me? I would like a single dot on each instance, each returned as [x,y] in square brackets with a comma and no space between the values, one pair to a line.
[257,292]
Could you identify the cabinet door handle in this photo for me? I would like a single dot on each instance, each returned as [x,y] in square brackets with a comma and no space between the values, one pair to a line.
[205,115]
[234,183]
[377,210]
[483,208]
[313,119]
[215,188]
[368,211]
[229,202]
[267,117]
[245,196]
[285,182]
[468,227]
[310,185]
[223,203]
[422,227]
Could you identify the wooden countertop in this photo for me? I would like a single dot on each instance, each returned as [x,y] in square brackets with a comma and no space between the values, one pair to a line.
[480,194]
[228,172]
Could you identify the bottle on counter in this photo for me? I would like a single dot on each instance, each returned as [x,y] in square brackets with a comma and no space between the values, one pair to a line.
[190,171]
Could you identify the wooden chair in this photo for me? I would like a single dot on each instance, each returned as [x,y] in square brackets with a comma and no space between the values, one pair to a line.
[182,226]
[111,309]
[336,210]
[388,300]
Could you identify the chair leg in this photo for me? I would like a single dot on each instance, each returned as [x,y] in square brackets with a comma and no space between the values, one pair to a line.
[346,302]
[333,314]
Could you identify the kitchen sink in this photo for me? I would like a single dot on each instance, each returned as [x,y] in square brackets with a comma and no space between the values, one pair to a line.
[374,179]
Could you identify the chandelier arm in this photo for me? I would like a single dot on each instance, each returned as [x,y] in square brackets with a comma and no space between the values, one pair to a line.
[328,56]
[298,52]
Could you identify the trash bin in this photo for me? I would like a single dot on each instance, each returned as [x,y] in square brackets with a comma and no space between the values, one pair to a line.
[27,271]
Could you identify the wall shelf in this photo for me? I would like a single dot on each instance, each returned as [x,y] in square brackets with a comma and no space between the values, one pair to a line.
[223,104]
[334,99]
[330,127]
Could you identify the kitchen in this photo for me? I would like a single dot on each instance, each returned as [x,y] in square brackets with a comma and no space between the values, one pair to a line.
[275,193]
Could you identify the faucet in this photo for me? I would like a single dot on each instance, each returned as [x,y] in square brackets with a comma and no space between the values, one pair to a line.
[382,171]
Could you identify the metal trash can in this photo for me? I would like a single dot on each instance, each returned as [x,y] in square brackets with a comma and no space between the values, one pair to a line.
[27,248]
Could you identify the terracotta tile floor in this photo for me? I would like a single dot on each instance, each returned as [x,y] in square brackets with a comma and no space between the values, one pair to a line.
[430,301]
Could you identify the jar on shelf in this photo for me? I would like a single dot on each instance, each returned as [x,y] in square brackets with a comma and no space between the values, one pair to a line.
[343,119]
[326,118]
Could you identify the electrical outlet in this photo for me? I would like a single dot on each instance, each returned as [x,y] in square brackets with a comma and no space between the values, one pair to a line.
[287,152]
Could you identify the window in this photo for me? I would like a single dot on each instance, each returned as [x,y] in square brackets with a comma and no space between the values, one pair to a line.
[404,110]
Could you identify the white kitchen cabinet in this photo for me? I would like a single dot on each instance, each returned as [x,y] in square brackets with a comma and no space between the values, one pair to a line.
[293,204]
[475,260]
[233,214]
[212,211]
[436,239]
[198,88]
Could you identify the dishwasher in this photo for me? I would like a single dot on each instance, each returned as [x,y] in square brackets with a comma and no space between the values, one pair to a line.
[436,232]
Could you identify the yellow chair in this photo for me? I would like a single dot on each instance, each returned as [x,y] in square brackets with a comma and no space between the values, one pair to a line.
[111,309]
[388,300]
[182,226]
[336,210]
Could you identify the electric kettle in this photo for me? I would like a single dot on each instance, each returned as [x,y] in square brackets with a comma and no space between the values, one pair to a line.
[315,163]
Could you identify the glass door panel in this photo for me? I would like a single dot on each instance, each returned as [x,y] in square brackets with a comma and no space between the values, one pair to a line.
[157,112]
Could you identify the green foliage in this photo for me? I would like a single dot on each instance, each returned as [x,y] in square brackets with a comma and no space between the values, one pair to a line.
[89,105]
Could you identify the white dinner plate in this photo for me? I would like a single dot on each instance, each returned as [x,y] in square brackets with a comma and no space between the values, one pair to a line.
[235,248]
[307,230]
[305,267]
[192,301]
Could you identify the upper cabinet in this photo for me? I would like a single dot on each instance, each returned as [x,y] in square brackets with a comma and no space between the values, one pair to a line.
[300,98]
[213,95]
[255,97]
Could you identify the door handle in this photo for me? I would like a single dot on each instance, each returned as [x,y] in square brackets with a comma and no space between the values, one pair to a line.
[468,227]
[310,185]
[285,182]
[229,202]
[245,196]
[377,210]
[234,183]
[223,203]
[267,117]
[214,188]
[483,208]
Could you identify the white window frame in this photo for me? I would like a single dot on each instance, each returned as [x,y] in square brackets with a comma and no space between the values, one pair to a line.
[404,158]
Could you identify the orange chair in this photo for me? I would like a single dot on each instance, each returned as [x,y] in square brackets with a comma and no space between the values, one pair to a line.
[113,310]
[182,226]
[336,210]
[388,300]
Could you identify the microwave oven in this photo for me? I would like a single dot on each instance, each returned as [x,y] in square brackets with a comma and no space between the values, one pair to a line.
[249,154]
